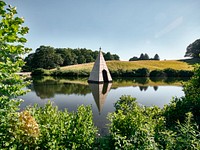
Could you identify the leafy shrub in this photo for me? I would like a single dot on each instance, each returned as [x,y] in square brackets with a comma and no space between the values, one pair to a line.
[71,73]
[189,103]
[39,72]
[171,72]
[188,135]
[142,72]
[61,130]
[132,126]
[46,128]
[157,73]
[185,73]
[136,127]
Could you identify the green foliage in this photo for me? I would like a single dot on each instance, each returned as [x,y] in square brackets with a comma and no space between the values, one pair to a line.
[64,130]
[11,49]
[70,73]
[40,72]
[170,72]
[157,73]
[188,135]
[193,50]
[185,73]
[137,127]
[133,126]
[44,57]
[189,103]
[141,72]
[46,128]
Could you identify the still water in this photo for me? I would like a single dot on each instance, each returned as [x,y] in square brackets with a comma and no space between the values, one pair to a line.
[71,93]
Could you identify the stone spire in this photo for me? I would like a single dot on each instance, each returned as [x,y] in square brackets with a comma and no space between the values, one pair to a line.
[100,72]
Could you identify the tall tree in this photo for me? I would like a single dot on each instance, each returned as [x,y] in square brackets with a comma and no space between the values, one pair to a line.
[141,57]
[146,56]
[156,57]
[193,50]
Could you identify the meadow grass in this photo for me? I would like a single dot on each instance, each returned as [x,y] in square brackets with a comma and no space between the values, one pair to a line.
[130,65]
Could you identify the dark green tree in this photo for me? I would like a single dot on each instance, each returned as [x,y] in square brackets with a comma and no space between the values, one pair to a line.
[193,50]
[134,58]
[108,56]
[67,55]
[115,57]
[45,57]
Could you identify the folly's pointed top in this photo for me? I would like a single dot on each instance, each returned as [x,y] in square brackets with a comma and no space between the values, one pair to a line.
[100,49]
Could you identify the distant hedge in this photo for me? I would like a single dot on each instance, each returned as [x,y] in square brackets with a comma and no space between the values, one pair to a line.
[70,73]
[141,72]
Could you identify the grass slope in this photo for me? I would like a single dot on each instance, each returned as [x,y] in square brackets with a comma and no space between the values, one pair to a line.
[126,65]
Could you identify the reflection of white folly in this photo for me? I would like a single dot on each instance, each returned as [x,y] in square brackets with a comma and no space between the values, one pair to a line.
[99,81]
[100,92]
[100,72]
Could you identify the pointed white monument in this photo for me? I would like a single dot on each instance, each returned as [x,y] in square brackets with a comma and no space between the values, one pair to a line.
[100,72]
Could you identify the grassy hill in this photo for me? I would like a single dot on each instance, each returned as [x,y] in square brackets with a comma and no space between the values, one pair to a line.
[126,65]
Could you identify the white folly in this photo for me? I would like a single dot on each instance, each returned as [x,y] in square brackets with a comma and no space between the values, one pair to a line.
[100,72]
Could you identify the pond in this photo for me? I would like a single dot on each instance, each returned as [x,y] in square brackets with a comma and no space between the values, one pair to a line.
[71,93]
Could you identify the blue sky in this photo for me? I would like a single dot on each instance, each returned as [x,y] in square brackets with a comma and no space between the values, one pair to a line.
[124,27]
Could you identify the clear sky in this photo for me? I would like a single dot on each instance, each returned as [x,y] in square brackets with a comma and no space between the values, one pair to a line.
[124,27]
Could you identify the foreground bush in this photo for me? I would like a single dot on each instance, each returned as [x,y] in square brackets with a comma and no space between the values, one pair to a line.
[189,103]
[138,127]
[47,128]
[132,126]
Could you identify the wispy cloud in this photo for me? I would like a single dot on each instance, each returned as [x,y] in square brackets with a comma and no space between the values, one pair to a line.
[174,24]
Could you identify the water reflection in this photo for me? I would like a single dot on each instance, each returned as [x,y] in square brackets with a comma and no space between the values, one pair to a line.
[143,88]
[100,92]
[48,88]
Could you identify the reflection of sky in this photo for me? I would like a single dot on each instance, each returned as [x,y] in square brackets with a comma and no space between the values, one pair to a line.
[150,97]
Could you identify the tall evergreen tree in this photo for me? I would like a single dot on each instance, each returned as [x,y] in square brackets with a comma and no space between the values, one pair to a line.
[156,57]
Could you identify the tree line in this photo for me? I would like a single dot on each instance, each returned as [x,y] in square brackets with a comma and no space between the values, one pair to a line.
[144,57]
[48,57]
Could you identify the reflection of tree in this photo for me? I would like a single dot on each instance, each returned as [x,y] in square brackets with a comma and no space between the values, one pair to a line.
[143,88]
[155,88]
[48,88]
[171,80]
[141,80]
[157,79]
